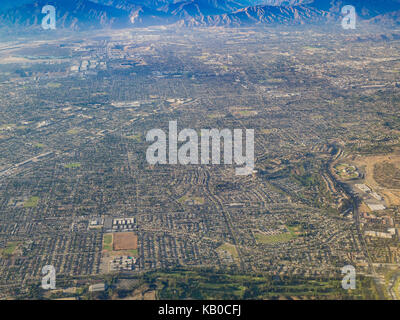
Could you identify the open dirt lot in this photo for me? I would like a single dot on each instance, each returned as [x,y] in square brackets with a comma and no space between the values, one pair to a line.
[125,241]
[380,175]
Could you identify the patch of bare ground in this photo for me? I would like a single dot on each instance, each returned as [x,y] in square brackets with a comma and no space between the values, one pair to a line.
[382,174]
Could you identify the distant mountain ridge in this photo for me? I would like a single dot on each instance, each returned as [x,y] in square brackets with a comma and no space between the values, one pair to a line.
[263,14]
[86,14]
[365,9]
[70,14]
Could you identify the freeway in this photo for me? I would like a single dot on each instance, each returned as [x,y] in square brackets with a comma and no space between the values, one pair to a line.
[392,287]
[355,204]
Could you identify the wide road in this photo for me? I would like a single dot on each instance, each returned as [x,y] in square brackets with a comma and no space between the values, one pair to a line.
[355,202]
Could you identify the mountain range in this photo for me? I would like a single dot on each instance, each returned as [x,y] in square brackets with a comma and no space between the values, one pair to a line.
[86,14]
